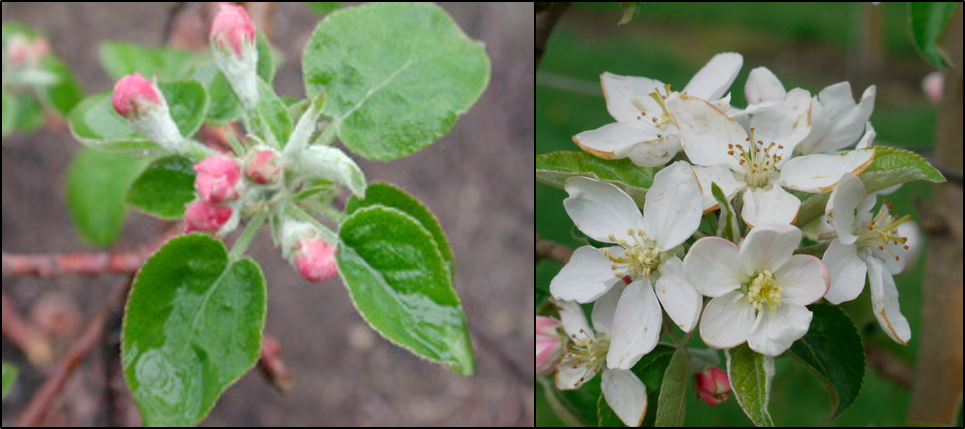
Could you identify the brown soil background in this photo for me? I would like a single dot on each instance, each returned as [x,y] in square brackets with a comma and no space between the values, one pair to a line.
[478,180]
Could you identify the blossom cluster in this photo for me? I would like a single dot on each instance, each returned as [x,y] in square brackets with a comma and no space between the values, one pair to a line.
[752,290]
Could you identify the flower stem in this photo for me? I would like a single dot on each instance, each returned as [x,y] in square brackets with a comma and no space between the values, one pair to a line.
[251,231]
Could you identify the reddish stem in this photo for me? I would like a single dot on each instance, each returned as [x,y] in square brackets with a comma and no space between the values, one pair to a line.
[30,340]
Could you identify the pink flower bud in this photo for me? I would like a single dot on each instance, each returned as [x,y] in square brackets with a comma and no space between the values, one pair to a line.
[134,94]
[934,87]
[315,260]
[264,167]
[23,51]
[233,29]
[202,216]
[712,386]
[217,180]
[550,345]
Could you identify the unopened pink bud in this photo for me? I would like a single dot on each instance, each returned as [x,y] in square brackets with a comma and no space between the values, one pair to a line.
[217,180]
[315,260]
[934,87]
[133,94]
[550,345]
[23,51]
[233,28]
[712,386]
[203,216]
[264,167]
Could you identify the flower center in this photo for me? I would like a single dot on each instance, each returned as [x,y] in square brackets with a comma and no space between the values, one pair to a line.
[883,229]
[759,162]
[763,290]
[640,257]
[664,119]
[590,353]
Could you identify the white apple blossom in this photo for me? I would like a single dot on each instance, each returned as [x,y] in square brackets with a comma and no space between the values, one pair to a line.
[760,289]
[760,163]
[623,390]
[644,131]
[646,250]
[836,120]
[867,245]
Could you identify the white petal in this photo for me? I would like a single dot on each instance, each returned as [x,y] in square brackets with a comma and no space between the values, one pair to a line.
[845,119]
[723,177]
[673,206]
[805,279]
[723,104]
[570,378]
[605,307]
[713,266]
[705,131]
[775,206]
[847,271]
[819,173]
[573,320]
[712,81]
[679,298]
[626,395]
[726,321]
[600,209]
[644,144]
[814,230]
[785,124]
[762,85]
[626,95]
[768,247]
[779,328]
[892,264]
[743,117]
[586,277]
[636,327]
[884,300]
[842,207]
[868,139]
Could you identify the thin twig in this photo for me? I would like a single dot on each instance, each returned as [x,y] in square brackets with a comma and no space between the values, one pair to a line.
[890,367]
[29,339]
[555,252]
[545,21]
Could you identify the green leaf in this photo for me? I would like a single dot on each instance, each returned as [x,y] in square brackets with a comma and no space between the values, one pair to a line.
[323,7]
[387,195]
[193,328]
[97,183]
[225,108]
[401,285]
[728,227]
[833,351]
[9,114]
[576,408]
[750,376]
[554,168]
[630,10]
[66,93]
[120,59]
[274,115]
[164,189]
[30,114]
[673,405]
[607,417]
[95,123]
[268,58]
[398,76]
[928,22]
[891,167]
[651,370]
[10,373]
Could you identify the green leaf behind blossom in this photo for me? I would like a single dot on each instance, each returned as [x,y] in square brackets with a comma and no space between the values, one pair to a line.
[750,376]
[833,351]
[672,406]
[193,328]
[164,189]
[97,184]
[928,22]
[554,168]
[728,227]
[10,373]
[120,59]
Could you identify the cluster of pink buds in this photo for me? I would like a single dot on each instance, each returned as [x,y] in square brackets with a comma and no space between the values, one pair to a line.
[712,386]
[217,184]
[22,51]
[550,345]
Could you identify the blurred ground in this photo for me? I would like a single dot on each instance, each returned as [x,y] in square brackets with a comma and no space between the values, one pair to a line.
[478,180]
[808,45]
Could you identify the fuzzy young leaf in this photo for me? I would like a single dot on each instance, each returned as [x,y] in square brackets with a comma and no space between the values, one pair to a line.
[928,21]
[164,189]
[97,183]
[63,95]
[891,167]
[95,123]
[193,328]
[750,376]
[225,108]
[10,373]
[833,351]
[402,286]
[630,10]
[273,115]
[672,406]
[554,168]
[120,59]
[727,227]
[387,195]
[398,76]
